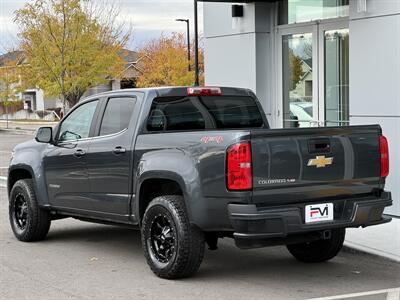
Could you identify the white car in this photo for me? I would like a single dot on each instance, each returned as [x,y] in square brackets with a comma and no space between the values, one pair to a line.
[303,112]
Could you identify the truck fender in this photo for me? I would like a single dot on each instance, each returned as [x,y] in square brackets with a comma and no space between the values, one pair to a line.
[37,177]
[170,165]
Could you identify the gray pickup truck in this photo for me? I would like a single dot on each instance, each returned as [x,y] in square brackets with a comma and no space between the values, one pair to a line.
[188,166]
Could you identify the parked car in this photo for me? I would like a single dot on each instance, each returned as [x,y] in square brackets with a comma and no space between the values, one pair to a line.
[304,113]
[188,166]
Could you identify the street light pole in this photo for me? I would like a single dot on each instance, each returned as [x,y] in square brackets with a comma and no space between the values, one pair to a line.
[196,46]
[188,38]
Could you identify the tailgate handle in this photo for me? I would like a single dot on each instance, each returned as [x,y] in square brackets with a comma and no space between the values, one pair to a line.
[319,146]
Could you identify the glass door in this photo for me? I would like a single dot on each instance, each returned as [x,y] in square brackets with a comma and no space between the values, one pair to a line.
[313,75]
[299,76]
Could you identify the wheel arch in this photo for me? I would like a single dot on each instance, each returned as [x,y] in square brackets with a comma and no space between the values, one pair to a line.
[18,173]
[155,183]
[22,171]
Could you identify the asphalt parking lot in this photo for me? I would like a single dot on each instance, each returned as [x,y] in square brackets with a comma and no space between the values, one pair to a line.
[89,261]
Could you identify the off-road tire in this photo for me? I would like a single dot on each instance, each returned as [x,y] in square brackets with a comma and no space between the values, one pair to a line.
[321,250]
[37,223]
[189,240]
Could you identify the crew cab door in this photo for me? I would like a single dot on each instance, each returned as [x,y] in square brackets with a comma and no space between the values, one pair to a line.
[110,158]
[65,163]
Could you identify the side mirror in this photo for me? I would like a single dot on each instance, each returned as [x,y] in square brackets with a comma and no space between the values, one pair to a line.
[44,135]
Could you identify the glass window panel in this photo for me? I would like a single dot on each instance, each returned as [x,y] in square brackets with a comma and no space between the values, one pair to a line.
[77,125]
[233,112]
[336,77]
[297,79]
[174,113]
[196,113]
[297,11]
[117,115]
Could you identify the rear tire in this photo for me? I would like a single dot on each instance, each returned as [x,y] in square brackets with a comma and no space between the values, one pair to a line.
[321,250]
[172,246]
[28,221]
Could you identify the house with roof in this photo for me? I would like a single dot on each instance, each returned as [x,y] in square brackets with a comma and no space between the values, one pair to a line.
[304,88]
[36,105]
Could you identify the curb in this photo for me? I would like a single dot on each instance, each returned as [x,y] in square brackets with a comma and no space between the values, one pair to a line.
[31,123]
[18,131]
[349,247]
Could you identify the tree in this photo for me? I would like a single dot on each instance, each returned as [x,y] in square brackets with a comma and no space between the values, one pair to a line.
[9,81]
[296,69]
[164,62]
[70,45]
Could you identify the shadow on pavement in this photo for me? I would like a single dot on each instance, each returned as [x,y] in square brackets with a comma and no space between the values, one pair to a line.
[270,264]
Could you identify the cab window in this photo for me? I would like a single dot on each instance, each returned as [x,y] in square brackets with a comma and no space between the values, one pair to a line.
[117,115]
[77,125]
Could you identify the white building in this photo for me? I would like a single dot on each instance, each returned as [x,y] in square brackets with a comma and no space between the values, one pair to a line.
[351,46]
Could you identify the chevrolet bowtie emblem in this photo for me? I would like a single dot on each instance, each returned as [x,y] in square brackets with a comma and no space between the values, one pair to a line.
[320,161]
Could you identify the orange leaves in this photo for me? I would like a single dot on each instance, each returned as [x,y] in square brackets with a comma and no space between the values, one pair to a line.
[164,62]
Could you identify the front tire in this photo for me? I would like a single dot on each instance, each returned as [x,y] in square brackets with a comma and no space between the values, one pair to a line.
[321,250]
[28,221]
[172,246]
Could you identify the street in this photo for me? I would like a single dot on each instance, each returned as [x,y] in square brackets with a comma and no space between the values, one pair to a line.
[88,261]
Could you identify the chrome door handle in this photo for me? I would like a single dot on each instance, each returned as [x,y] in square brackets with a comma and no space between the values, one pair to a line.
[119,150]
[79,153]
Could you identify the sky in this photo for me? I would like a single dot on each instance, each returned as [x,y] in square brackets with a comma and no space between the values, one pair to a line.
[149,19]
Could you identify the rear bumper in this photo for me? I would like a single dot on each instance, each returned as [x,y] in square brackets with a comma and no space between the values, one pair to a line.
[254,226]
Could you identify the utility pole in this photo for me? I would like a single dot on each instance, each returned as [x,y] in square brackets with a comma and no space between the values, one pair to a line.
[196,46]
[188,38]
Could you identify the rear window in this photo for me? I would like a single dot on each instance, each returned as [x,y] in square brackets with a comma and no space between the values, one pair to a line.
[198,113]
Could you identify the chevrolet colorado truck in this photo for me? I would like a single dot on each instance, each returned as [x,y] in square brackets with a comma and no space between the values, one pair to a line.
[188,166]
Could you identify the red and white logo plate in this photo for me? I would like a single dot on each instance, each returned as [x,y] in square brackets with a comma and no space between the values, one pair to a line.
[319,213]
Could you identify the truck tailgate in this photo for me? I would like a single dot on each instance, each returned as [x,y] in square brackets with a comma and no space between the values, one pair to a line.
[298,165]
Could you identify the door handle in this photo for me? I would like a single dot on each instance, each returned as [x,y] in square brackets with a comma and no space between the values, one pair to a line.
[79,153]
[119,150]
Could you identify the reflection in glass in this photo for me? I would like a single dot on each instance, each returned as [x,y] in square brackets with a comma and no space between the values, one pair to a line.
[297,80]
[336,77]
[297,11]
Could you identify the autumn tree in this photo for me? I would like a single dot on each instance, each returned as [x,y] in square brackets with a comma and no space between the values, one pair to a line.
[70,45]
[296,69]
[164,62]
[9,80]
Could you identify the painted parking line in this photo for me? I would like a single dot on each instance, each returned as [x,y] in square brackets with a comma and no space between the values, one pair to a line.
[391,294]
[3,181]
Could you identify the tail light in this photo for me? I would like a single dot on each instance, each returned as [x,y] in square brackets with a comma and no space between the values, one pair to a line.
[383,144]
[239,169]
[204,91]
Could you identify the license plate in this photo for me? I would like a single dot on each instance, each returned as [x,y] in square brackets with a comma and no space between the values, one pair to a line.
[319,213]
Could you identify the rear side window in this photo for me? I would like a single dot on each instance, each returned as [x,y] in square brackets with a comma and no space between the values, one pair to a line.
[117,115]
[199,113]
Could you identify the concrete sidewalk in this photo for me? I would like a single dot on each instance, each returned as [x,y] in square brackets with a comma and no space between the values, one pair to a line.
[382,240]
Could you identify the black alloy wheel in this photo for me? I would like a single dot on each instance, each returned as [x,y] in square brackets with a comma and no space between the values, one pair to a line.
[162,241]
[20,212]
